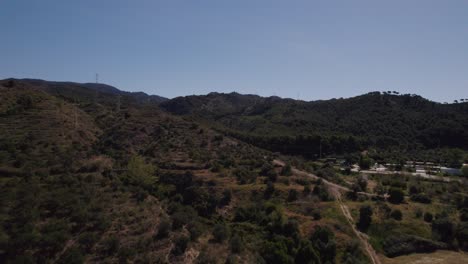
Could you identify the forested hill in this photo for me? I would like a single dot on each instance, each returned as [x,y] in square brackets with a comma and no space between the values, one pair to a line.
[380,120]
[85,91]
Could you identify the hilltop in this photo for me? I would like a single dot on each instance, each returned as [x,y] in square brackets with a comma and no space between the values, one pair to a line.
[384,121]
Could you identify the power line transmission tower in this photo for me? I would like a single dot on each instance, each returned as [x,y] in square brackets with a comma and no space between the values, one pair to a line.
[97,77]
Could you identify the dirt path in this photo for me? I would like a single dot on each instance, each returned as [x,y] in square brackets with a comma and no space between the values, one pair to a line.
[333,187]
[335,190]
[362,237]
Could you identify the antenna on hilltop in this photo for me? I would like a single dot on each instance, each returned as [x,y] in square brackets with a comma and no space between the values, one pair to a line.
[97,77]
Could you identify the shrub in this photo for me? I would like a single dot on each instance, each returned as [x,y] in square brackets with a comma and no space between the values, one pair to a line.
[164,228]
[421,198]
[365,217]
[321,191]
[292,195]
[306,190]
[396,214]
[464,215]
[428,217]
[87,240]
[236,244]
[464,171]
[443,230]
[462,236]
[397,245]
[307,253]
[72,256]
[196,230]
[270,190]
[220,232]
[227,196]
[180,245]
[140,173]
[276,251]
[111,245]
[323,240]
[362,183]
[396,196]
[286,170]
[269,171]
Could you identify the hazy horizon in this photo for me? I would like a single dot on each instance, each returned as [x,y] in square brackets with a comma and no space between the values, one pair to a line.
[301,50]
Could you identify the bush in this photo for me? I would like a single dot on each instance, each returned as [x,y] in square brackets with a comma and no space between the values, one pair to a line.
[443,230]
[180,245]
[227,196]
[396,214]
[397,245]
[111,245]
[307,253]
[164,228]
[196,230]
[87,240]
[292,195]
[72,256]
[464,215]
[220,232]
[396,196]
[270,190]
[428,217]
[276,251]
[323,240]
[269,171]
[236,244]
[462,236]
[365,217]
[464,171]
[421,198]
[140,173]
[286,170]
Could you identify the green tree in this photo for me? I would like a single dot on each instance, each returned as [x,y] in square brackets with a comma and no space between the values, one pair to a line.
[180,245]
[306,253]
[292,195]
[428,217]
[365,162]
[236,244]
[220,232]
[286,170]
[140,173]
[72,256]
[464,171]
[443,230]
[365,217]
[396,195]
[396,214]
[164,228]
[323,240]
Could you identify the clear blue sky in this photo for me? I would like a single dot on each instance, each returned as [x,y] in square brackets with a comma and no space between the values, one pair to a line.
[310,49]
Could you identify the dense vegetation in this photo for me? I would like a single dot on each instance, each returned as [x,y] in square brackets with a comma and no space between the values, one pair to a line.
[91,174]
[393,124]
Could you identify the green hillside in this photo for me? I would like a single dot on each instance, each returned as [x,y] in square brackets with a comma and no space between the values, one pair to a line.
[385,121]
